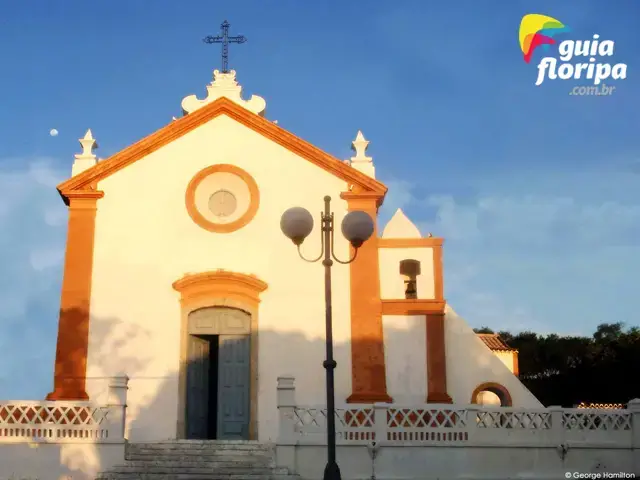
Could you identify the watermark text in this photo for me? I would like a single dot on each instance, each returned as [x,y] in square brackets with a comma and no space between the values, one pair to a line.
[594,475]
[592,90]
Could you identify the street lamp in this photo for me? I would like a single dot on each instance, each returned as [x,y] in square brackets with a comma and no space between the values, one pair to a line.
[297,223]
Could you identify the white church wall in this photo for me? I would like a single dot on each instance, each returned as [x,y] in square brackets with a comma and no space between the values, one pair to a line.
[392,284]
[405,357]
[145,240]
[471,363]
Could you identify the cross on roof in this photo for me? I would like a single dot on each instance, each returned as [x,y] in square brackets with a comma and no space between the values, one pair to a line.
[225,40]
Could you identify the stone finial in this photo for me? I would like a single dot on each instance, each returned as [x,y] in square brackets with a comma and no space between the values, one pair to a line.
[224,85]
[360,161]
[360,145]
[86,159]
[400,227]
[88,144]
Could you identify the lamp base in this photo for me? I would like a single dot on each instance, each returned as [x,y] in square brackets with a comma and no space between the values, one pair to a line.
[332,472]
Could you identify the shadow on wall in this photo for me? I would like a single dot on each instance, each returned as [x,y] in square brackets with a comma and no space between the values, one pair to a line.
[154,416]
[48,459]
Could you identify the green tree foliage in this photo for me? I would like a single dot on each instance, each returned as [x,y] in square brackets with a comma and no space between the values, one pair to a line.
[566,371]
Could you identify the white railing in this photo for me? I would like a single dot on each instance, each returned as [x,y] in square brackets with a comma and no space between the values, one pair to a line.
[66,421]
[449,425]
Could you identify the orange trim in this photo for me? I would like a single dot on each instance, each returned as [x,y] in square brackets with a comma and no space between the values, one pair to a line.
[410,242]
[412,307]
[222,106]
[219,283]
[438,275]
[359,200]
[368,369]
[73,326]
[199,219]
[498,389]
[436,360]
[516,366]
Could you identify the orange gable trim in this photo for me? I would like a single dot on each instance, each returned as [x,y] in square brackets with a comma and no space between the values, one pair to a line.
[222,106]
[410,242]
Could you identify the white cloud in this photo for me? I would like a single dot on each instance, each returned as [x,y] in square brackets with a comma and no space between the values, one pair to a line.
[32,231]
[54,216]
[41,259]
[525,253]
[399,196]
[31,214]
[534,220]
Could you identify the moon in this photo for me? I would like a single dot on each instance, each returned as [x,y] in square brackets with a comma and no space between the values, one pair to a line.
[53,132]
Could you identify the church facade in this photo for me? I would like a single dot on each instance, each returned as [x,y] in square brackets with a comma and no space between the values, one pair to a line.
[177,274]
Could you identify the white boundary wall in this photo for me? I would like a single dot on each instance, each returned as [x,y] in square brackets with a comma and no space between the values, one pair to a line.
[76,440]
[429,441]
[62,440]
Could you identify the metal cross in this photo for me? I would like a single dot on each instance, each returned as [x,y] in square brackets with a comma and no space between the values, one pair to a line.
[225,40]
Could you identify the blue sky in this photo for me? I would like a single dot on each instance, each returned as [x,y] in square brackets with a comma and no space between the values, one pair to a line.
[535,191]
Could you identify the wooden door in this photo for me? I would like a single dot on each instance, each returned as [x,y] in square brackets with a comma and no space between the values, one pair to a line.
[233,387]
[198,388]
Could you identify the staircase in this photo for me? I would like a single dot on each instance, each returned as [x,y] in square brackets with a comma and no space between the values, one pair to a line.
[198,460]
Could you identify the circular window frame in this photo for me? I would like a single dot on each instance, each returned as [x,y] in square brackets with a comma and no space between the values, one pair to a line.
[243,220]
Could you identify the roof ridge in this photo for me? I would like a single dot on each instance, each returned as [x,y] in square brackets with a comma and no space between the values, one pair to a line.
[222,106]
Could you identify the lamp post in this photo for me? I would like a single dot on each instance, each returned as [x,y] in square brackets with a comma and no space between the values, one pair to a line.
[357,227]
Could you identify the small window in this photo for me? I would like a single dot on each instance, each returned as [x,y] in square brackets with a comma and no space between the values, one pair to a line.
[410,269]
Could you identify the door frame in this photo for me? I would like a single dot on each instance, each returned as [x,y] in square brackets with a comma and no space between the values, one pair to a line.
[219,288]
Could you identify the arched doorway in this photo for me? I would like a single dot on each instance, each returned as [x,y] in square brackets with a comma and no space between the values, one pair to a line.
[218,374]
[491,394]
[219,322]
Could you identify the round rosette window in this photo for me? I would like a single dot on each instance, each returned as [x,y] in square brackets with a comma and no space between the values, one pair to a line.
[222,198]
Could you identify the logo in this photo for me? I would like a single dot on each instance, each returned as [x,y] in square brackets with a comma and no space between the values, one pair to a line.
[580,59]
[537,30]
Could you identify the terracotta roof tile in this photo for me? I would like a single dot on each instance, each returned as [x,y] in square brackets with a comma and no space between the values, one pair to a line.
[495,343]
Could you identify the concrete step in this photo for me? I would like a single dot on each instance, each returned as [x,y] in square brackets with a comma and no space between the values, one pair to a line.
[202,451]
[202,445]
[207,476]
[199,463]
[196,469]
[183,441]
[209,456]
[198,460]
